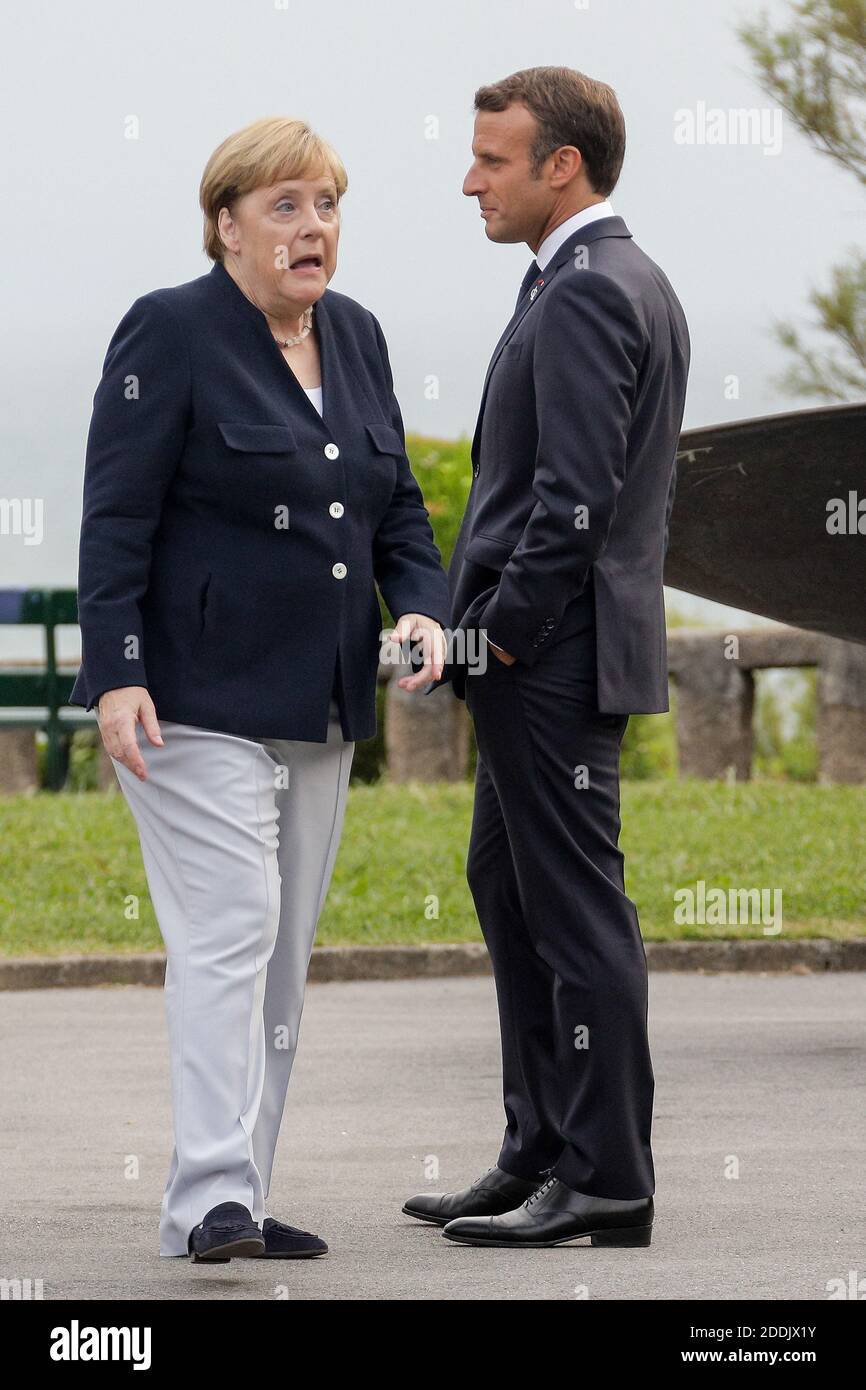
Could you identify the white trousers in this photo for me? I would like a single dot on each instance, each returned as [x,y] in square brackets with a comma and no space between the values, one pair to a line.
[239,838]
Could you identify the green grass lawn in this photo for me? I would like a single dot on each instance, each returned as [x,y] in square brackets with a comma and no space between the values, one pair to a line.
[69,863]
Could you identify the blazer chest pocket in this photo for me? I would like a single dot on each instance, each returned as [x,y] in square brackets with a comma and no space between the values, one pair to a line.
[261,458]
[385,440]
[384,448]
[258,439]
[509,361]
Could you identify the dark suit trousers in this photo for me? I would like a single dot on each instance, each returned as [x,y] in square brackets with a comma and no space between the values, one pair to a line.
[546,875]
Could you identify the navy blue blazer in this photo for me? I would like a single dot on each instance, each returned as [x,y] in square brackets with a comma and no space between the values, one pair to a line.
[232,538]
[573,464]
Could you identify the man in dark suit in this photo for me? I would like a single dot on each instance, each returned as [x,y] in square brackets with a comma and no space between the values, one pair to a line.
[558,572]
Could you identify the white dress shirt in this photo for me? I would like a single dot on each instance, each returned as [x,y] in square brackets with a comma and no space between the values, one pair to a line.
[315,395]
[552,242]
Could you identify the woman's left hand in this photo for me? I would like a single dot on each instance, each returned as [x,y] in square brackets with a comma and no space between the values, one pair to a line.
[419,628]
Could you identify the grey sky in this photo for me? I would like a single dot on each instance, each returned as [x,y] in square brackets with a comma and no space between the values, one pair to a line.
[94,219]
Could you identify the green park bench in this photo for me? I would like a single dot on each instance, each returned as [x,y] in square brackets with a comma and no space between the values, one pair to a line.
[35,695]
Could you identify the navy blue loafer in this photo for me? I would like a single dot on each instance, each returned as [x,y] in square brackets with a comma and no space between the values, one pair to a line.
[288,1243]
[224,1233]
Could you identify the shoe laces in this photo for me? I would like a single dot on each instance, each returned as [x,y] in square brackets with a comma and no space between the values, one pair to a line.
[539,1192]
[479,1182]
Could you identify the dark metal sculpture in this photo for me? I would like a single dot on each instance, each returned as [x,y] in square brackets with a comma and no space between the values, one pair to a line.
[770,516]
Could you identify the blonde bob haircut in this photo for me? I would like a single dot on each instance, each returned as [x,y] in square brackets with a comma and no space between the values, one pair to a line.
[260,154]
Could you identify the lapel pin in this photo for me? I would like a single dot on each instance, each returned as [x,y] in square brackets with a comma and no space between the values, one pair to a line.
[535,289]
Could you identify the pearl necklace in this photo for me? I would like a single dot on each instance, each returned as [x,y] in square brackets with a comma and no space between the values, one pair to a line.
[299,337]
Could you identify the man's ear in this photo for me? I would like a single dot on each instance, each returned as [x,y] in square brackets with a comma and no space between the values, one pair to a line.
[567,164]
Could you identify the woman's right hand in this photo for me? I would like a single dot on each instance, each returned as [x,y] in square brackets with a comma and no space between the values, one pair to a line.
[118,711]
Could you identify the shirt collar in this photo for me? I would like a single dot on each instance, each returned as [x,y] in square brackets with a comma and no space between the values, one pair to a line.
[552,242]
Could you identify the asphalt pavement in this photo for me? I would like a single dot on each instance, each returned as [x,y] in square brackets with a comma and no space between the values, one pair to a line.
[759,1137]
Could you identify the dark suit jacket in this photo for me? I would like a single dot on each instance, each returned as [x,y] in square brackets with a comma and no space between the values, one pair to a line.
[581,409]
[232,539]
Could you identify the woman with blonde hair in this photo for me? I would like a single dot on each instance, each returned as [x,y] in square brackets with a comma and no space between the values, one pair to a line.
[246,490]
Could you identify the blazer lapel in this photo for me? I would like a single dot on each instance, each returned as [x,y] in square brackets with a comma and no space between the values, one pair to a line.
[342,387]
[337,396]
[256,325]
[593,231]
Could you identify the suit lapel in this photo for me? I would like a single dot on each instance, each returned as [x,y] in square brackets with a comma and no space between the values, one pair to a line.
[603,227]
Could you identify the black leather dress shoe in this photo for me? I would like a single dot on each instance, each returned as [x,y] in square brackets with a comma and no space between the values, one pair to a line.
[555,1215]
[225,1232]
[288,1243]
[492,1193]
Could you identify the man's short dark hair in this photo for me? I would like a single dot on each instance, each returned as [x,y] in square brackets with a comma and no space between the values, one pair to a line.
[571,109]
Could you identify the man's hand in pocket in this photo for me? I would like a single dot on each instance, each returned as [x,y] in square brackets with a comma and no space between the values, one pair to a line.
[505,657]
